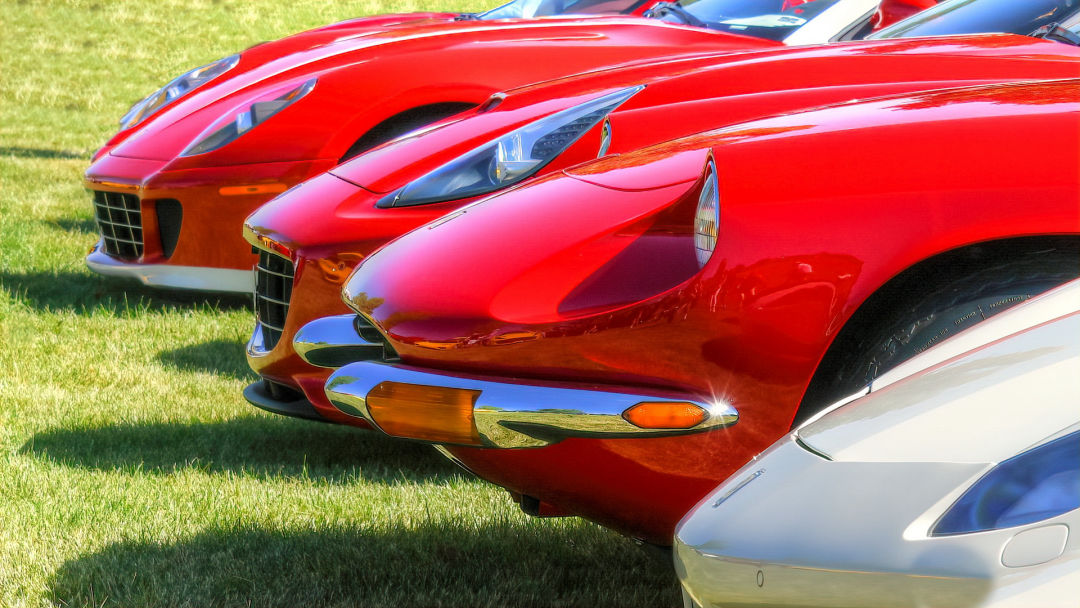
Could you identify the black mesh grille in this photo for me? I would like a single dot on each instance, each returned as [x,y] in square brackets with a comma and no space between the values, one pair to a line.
[273,288]
[119,218]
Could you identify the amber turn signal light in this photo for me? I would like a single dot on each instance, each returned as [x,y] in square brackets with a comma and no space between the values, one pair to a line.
[428,413]
[252,189]
[665,415]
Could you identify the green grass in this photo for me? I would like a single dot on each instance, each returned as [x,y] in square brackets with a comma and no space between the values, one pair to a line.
[132,473]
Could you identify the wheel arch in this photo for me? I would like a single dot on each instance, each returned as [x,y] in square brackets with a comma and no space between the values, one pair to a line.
[896,295]
[403,122]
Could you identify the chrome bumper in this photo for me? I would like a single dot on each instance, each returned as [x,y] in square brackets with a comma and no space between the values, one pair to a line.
[172,277]
[333,342]
[519,415]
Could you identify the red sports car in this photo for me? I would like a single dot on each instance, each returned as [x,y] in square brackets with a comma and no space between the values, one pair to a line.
[192,160]
[613,339]
[311,238]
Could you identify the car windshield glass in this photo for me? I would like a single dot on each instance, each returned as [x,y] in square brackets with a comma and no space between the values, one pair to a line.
[976,16]
[772,19]
[528,9]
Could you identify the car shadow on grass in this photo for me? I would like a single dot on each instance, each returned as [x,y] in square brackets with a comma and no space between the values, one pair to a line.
[217,357]
[507,563]
[262,446]
[76,225]
[19,152]
[86,293]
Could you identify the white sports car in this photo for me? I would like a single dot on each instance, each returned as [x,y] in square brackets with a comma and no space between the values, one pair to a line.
[954,480]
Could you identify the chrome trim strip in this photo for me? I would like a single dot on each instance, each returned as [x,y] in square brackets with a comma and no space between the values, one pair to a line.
[333,342]
[171,277]
[509,415]
[256,345]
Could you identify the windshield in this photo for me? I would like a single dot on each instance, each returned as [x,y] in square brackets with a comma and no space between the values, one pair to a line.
[816,21]
[527,9]
[770,19]
[977,16]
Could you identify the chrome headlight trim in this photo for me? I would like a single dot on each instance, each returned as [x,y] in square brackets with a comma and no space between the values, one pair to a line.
[605,138]
[707,216]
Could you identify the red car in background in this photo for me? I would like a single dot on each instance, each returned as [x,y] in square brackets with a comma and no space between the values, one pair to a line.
[172,188]
[615,338]
[312,237]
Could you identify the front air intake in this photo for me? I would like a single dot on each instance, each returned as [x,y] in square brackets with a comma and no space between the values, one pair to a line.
[273,288]
[119,219]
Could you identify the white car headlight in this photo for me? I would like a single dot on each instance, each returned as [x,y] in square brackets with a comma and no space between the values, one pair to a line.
[255,114]
[707,217]
[177,88]
[510,158]
[1041,483]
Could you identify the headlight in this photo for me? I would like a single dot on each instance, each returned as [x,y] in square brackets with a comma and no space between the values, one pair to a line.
[510,158]
[254,115]
[176,89]
[707,217]
[1041,483]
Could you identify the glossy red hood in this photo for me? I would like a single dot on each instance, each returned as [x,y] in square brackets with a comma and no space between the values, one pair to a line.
[366,75]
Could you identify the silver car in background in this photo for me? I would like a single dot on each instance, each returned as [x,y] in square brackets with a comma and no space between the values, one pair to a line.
[953,480]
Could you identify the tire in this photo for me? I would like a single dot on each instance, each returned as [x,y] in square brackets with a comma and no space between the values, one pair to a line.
[920,321]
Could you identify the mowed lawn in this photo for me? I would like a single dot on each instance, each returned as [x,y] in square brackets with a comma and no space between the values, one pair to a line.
[132,472]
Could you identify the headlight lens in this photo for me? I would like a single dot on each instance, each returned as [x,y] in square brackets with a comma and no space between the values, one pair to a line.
[254,115]
[510,158]
[1041,483]
[707,217]
[177,88]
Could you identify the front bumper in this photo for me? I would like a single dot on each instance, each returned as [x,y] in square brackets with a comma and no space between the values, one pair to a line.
[500,413]
[188,221]
[261,395]
[171,276]
[313,296]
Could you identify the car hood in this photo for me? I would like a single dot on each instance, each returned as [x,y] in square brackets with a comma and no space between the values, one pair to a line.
[415,63]
[983,406]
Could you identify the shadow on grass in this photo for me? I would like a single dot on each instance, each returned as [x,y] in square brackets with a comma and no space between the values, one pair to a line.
[67,224]
[217,357]
[85,293]
[267,447]
[508,564]
[41,153]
